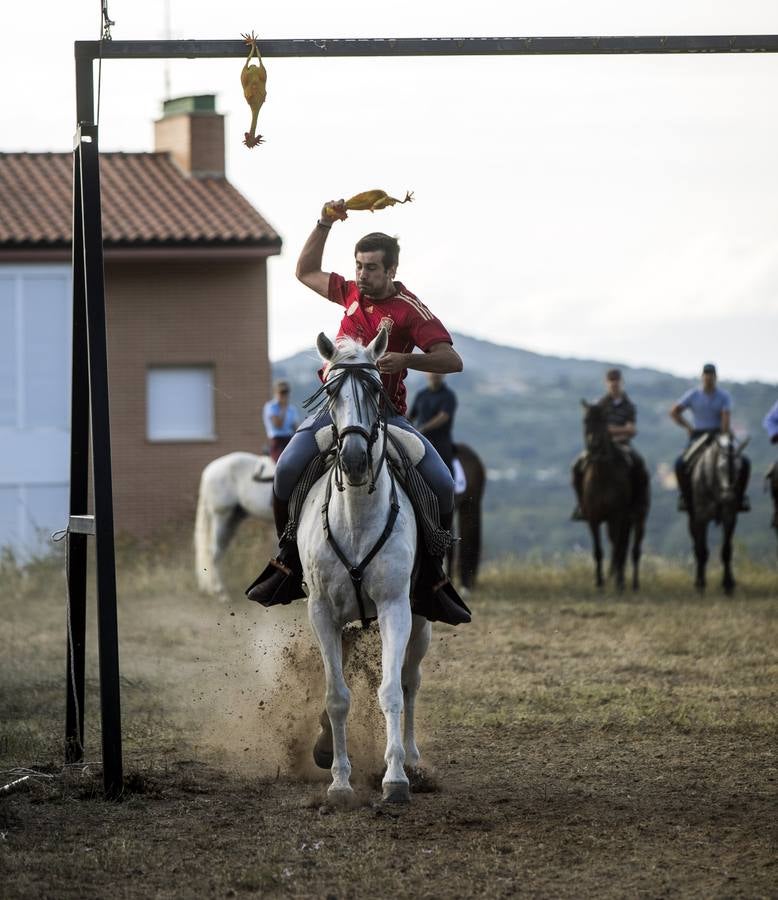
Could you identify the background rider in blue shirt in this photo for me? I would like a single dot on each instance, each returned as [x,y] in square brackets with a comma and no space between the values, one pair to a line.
[281,419]
[711,409]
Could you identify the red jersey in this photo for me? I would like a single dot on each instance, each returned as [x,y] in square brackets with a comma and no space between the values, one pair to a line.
[409,323]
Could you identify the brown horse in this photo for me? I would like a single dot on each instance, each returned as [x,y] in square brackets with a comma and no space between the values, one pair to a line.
[466,554]
[607,497]
[771,484]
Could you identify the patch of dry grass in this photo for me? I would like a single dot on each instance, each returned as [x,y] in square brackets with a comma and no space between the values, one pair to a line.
[587,743]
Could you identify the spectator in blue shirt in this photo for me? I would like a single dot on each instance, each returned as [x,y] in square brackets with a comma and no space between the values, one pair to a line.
[281,419]
[711,409]
[770,423]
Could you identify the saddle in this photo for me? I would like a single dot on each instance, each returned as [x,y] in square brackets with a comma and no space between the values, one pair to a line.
[693,451]
[624,449]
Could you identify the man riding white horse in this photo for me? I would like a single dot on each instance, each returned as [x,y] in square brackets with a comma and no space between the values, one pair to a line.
[372,301]
[711,409]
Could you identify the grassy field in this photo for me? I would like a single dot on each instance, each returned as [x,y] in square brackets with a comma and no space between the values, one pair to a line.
[576,744]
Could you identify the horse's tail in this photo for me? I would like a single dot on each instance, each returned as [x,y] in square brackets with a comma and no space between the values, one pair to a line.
[205,566]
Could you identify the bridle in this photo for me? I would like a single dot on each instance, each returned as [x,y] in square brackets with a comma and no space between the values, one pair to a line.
[325,398]
[599,444]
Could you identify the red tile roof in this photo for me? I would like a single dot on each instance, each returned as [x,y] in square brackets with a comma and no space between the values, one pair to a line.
[147,201]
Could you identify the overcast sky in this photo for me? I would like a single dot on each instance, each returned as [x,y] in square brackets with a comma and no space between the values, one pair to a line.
[617,208]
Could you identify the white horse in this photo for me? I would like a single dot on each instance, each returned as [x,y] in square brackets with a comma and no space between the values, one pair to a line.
[229,492]
[355,570]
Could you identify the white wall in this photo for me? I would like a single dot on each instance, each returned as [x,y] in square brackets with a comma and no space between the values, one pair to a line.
[35,341]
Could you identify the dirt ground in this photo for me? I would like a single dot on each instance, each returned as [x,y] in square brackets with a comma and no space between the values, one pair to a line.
[575,745]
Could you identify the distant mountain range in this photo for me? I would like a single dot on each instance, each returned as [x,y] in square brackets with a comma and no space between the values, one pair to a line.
[521,412]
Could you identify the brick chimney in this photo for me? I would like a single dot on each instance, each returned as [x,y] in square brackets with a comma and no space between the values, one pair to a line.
[193,133]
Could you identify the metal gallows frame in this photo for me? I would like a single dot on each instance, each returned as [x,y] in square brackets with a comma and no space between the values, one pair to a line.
[90,361]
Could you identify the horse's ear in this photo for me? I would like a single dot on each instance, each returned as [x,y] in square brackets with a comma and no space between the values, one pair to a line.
[325,346]
[377,347]
[584,404]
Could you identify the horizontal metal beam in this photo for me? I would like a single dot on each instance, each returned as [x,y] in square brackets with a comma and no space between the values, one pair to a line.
[467,46]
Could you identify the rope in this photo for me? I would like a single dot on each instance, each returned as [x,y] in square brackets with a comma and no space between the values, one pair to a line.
[105,35]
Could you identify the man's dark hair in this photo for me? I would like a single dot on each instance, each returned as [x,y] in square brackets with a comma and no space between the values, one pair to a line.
[613,375]
[377,240]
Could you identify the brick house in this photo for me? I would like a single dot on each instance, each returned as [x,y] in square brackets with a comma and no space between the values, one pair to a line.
[186,303]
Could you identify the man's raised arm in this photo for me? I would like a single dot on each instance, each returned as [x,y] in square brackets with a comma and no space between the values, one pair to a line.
[309,264]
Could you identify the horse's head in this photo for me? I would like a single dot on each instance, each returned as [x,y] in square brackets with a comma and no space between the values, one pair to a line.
[728,463]
[353,385]
[595,428]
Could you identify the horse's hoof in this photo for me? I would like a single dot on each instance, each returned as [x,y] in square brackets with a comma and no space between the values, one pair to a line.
[397,792]
[342,798]
[729,589]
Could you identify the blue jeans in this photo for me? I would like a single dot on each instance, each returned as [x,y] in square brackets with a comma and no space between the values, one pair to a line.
[303,448]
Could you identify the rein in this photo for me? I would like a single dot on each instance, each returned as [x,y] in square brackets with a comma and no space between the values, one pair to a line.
[325,398]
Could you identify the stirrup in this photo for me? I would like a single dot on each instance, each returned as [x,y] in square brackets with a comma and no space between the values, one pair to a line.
[438,600]
[277,584]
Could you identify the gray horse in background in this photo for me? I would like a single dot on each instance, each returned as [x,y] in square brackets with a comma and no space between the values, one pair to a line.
[715,471]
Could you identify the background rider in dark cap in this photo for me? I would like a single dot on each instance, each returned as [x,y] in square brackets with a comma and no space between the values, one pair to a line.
[621,416]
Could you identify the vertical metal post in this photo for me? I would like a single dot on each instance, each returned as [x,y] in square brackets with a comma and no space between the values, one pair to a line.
[108,639]
[79,488]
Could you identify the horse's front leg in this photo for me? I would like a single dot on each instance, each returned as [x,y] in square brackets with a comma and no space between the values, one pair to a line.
[637,546]
[699,532]
[322,750]
[418,644]
[594,527]
[337,697]
[618,531]
[394,620]
[728,530]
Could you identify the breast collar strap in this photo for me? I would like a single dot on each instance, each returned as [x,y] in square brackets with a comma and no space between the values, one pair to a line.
[356,572]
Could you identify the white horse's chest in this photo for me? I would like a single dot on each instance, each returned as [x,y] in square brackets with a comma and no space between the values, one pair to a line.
[386,576]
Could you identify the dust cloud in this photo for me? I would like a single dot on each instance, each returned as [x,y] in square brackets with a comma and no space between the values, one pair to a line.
[256,692]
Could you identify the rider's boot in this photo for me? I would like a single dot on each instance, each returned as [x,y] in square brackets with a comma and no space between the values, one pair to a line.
[434,595]
[281,580]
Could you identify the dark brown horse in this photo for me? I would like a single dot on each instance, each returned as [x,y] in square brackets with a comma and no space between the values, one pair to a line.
[607,497]
[715,473]
[466,553]
[772,485]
